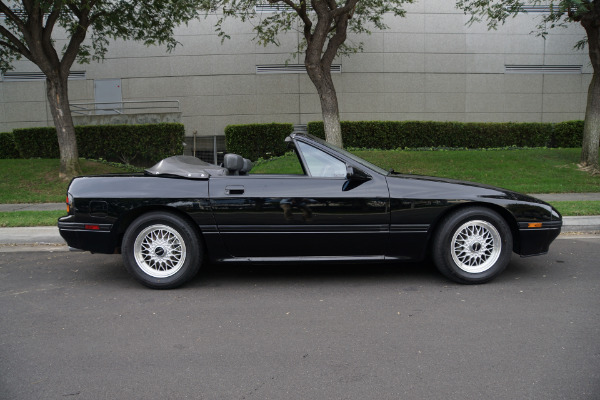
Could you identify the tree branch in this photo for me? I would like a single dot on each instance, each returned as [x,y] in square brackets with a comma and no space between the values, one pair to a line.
[288,2]
[347,9]
[301,12]
[320,7]
[76,11]
[73,48]
[93,17]
[12,16]
[51,21]
[9,46]
[16,44]
[341,28]
[28,5]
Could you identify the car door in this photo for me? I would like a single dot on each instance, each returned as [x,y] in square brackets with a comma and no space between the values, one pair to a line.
[323,214]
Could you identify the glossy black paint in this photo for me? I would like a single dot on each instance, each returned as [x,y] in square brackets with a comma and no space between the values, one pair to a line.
[367,216]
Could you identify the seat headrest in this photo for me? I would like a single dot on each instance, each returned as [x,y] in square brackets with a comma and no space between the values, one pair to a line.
[247,167]
[233,162]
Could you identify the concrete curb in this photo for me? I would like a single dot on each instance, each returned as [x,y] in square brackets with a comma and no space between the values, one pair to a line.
[48,235]
[581,224]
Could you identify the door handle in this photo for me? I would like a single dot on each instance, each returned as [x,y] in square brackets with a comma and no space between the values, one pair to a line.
[234,190]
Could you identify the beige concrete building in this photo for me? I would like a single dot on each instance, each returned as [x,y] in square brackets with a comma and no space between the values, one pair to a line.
[427,66]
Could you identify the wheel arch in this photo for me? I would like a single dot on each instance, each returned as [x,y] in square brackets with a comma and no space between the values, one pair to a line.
[127,219]
[503,212]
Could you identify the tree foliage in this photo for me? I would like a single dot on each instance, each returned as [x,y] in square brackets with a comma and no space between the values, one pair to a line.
[324,26]
[363,17]
[30,25]
[557,13]
[52,34]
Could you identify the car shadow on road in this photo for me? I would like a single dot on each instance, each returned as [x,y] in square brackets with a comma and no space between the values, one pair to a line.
[353,274]
[109,270]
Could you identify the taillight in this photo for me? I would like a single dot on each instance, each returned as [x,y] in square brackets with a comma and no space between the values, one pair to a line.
[69,202]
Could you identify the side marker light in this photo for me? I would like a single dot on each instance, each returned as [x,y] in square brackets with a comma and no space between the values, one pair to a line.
[534,225]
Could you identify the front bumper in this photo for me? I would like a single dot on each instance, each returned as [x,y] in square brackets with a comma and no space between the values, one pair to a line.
[535,241]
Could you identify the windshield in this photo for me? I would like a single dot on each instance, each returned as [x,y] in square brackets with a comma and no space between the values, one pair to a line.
[354,158]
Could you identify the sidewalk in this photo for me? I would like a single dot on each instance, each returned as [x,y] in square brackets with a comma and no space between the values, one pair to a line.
[33,207]
[49,234]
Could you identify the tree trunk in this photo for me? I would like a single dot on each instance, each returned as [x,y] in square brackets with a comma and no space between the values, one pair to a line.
[331,113]
[58,97]
[591,128]
[321,77]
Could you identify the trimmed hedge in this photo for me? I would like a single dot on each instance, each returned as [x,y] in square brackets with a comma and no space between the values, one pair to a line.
[254,141]
[388,135]
[147,142]
[266,140]
[568,134]
[36,142]
[7,146]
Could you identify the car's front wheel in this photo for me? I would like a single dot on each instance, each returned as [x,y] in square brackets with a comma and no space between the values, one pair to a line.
[162,250]
[472,245]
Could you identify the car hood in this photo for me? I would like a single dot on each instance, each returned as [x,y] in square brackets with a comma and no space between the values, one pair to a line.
[443,187]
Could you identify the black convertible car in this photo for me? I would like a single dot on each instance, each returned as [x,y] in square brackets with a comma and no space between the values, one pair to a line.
[182,212]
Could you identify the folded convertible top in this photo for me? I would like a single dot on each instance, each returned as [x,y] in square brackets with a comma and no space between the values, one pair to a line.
[186,167]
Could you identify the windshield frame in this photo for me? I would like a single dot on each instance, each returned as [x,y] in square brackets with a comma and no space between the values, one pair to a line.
[347,154]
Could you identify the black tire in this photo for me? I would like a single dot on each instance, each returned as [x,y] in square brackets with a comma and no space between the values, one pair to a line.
[162,250]
[472,245]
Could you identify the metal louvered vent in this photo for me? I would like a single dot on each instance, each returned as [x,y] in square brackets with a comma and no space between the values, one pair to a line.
[11,76]
[77,75]
[541,8]
[271,8]
[543,69]
[20,13]
[290,69]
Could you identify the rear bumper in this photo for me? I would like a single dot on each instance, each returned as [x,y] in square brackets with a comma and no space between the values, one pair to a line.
[82,236]
[535,241]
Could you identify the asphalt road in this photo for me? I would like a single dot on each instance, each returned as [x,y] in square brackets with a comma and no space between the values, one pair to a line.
[76,326]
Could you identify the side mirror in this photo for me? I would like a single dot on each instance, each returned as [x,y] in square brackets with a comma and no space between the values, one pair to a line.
[355,174]
[349,172]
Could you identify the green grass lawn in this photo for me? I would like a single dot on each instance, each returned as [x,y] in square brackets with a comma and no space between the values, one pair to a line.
[526,170]
[577,208]
[36,180]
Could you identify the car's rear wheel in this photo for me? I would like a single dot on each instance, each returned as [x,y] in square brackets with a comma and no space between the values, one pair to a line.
[472,245]
[162,250]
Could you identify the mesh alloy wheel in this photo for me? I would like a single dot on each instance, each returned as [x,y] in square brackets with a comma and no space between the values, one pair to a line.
[159,251]
[476,246]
